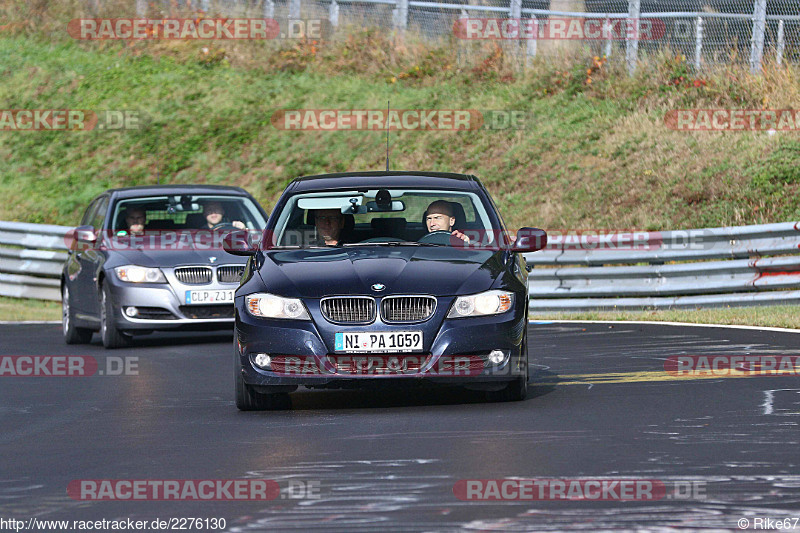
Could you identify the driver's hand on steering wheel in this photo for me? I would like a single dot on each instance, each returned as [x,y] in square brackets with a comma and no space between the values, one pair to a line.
[460,235]
[238,225]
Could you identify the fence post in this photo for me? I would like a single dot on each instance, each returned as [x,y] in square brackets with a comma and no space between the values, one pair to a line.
[268,8]
[532,47]
[607,30]
[632,43]
[294,9]
[141,8]
[205,5]
[698,42]
[759,29]
[401,15]
[333,13]
[781,44]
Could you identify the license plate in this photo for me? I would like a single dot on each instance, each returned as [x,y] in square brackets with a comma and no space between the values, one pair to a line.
[209,297]
[378,341]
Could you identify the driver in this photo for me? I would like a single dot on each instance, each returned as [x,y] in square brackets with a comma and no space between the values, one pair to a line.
[329,223]
[134,219]
[214,213]
[439,217]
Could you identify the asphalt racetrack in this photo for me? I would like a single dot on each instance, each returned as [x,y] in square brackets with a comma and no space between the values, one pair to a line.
[603,408]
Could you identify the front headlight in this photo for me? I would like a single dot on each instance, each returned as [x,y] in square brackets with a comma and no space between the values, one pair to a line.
[482,304]
[138,274]
[270,306]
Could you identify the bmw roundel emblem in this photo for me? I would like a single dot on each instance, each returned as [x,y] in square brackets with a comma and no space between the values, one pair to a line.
[378,286]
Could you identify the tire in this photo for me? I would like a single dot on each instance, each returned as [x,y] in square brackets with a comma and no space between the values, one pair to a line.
[111,336]
[248,399]
[72,333]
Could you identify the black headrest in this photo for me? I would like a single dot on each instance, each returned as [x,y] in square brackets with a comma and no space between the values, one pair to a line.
[195,220]
[388,227]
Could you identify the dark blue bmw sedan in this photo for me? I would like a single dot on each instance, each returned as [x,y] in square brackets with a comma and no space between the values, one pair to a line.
[376,277]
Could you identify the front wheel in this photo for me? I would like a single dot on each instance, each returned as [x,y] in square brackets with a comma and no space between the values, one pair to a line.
[247,399]
[112,337]
[72,333]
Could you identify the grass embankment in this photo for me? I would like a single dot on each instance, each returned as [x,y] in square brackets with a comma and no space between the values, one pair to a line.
[595,153]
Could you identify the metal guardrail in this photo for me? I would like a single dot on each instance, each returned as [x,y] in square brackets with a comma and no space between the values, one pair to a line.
[31,256]
[697,277]
[711,267]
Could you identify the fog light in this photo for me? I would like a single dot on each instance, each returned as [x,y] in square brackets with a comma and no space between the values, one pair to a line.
[497,356]
[262,360]
[131,311]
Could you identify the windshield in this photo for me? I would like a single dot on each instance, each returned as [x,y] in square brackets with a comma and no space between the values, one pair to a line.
[185,212]
[384,217]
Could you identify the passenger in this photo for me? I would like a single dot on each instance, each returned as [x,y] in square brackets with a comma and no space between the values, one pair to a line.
[215,217]
[135,218]
[439,217]
[329,224]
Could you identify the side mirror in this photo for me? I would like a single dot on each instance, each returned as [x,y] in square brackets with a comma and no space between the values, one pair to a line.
[529,240]
[80,238]
[238,243]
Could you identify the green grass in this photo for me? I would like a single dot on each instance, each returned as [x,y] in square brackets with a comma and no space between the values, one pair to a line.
[20,309]
[784,316]
[593,155]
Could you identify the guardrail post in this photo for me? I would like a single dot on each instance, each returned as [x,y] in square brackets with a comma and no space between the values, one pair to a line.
[698,42]
[268,9]
[294,9]
[400,15]
[607,30]
[333,13]
[759,30]
[781,44]
[632,42]
[205,5]
[141,8]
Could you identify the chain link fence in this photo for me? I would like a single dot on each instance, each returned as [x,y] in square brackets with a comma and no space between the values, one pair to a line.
[707,32]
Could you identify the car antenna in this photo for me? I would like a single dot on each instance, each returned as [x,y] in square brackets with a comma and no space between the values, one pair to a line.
[387,135]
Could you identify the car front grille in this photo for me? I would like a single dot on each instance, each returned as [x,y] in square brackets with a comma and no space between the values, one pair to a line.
[230,274]
[193,275]
[348,309]
[407,308]
[207,311]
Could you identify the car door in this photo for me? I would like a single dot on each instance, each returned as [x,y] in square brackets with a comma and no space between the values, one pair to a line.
[90,261]
[74,267]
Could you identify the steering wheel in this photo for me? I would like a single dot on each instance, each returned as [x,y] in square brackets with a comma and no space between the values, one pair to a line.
[436,237]
[223,225]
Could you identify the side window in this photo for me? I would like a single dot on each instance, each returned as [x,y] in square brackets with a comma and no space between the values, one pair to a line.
[100,214]
[89,213]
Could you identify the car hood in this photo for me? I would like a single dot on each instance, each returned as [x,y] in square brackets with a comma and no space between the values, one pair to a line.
[171,258]
[438,271]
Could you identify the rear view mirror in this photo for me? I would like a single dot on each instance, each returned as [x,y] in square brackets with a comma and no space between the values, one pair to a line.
[529,240]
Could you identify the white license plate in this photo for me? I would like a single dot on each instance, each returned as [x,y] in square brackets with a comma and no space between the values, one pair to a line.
[378,341]
[209,297]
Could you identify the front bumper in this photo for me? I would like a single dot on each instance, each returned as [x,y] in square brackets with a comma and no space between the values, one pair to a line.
[163,306]
[457,354]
